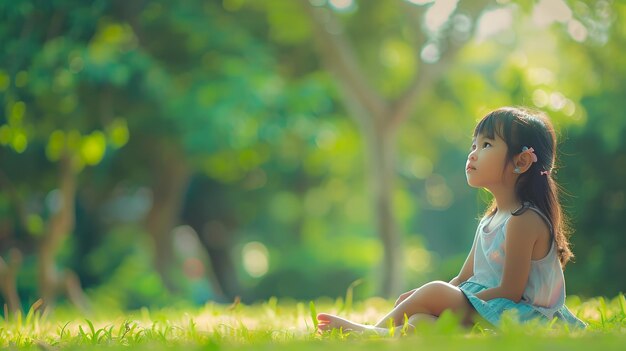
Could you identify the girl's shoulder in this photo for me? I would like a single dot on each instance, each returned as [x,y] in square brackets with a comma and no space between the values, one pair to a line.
[531,224]
[529,207]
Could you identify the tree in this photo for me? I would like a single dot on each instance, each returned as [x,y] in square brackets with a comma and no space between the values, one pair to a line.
[46,71]
[378,116]
[199,99]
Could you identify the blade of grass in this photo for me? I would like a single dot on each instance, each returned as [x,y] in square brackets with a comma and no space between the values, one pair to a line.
[405,326]
[391,326]
[62,331]
[602,310]
[313,314]
[350,295]
[18,316]
[93,330]
[33,310]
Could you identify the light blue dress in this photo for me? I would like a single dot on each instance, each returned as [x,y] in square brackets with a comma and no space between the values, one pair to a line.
[544,295]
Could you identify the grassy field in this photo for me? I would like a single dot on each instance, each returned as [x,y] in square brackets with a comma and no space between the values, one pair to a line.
[288,325]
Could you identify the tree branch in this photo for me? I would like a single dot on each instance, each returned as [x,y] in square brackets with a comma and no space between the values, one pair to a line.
[18,204]
[427,75]
[55,25]
[425,78]
[339,55]
[413,14]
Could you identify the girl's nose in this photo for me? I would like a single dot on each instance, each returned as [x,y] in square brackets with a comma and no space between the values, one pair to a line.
[472,156]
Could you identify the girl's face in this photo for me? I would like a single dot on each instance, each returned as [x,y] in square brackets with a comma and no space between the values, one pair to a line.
[486,161]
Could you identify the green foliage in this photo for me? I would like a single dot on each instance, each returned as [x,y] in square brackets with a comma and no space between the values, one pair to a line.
[235,91]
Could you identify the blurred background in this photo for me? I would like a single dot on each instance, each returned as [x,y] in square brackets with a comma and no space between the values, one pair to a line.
[158,153]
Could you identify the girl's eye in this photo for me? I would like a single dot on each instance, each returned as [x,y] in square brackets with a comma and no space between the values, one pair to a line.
[486,144]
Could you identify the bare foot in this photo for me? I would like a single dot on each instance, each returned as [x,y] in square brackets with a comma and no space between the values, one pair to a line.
[328,322]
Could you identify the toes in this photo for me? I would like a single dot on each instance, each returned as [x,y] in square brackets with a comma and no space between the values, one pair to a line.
[324,322]
[323,317]
[323,327]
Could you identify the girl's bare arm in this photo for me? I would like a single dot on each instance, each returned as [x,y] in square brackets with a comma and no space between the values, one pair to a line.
[522,233]
[467,270]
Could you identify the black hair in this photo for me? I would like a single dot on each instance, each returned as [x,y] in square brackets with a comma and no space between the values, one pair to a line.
[520,127]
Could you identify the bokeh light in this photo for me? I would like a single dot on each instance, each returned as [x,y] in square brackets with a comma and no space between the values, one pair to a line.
[255,259]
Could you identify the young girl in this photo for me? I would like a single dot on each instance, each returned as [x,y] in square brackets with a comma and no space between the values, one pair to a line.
[520,248]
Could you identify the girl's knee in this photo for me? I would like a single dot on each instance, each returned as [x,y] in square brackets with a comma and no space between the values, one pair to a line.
[437,287]
[439,296]
[434,283]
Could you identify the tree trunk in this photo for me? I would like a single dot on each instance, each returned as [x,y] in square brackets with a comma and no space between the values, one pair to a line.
[208,211]
[60,225]
[381,148]
[8,281]
[74,291]
[171,177]
[217,238]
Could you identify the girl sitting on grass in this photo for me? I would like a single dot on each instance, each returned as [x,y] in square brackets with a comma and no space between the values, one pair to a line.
[521,244]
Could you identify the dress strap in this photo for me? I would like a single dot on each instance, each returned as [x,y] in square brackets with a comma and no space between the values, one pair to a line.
[527,205]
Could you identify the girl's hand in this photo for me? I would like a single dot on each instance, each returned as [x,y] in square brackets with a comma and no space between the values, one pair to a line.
[403,297]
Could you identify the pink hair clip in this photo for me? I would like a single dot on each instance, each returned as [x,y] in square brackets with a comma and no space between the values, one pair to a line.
[545,173]
[531,152]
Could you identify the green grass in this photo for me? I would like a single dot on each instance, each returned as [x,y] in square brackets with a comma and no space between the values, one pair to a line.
[289,325]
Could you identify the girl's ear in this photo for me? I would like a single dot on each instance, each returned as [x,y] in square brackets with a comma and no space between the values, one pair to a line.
[522,162]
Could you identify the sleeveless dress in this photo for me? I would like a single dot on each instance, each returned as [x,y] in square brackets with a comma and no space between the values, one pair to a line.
[544,295]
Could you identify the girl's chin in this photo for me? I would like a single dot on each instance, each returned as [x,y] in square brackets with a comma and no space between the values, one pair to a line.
[474,185]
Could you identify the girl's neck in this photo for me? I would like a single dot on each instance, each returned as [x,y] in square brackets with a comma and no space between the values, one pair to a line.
[506,200]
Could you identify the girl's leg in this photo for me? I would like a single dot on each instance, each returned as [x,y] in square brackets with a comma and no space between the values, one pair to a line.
[421,318]
[412,322]
[431,299]
[330,322]
[426,303]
